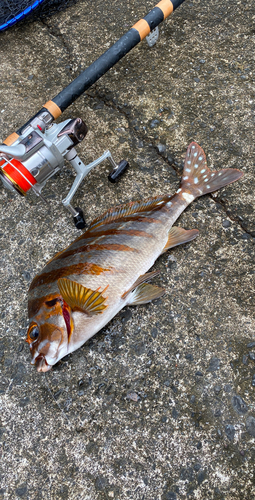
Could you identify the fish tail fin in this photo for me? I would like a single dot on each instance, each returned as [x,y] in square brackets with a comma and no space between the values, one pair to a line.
[198,179]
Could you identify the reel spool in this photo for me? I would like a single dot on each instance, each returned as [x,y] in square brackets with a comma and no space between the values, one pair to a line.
[17,176]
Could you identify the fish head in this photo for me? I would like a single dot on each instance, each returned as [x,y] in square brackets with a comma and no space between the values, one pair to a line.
[49,331]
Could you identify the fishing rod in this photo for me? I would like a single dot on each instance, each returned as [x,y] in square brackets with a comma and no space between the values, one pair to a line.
[38,149]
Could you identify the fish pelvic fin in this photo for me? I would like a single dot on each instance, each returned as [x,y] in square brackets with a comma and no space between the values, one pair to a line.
[80,298]
[142,279]
[178,236]
[145,293]
[198,179]
[142,292]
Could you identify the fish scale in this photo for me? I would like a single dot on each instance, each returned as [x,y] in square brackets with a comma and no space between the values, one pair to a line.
[83,287]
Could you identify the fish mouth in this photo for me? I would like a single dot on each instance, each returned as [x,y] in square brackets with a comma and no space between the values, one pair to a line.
[41,364]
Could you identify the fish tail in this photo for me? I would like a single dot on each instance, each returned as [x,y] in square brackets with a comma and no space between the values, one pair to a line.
[198,179]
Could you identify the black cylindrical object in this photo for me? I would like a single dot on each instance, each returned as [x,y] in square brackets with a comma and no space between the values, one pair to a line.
[117,172]
[79,220]
[107,60]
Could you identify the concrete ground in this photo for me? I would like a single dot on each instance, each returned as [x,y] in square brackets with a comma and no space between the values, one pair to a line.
[160,404]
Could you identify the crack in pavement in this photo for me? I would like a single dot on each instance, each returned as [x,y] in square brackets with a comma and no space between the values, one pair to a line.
[235,218]
[56,33]
[140,136]
[135,134]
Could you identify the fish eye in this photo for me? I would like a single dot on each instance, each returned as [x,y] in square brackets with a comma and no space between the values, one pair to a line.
[51,303]
[34,333]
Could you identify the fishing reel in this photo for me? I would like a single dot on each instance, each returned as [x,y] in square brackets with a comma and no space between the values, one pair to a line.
[40,150]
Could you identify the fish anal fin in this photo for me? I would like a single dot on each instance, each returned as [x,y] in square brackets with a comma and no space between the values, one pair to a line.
[142,279]
[144,293]
[178,236]
[80,298]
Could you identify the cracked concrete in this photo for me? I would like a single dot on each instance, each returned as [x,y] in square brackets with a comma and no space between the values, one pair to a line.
[160,404]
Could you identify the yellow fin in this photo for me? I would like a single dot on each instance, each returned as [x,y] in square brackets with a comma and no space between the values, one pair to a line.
[145,293]
[142,279]
[79,297]
[178,236]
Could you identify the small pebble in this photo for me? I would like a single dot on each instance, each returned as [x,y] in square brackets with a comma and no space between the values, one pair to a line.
[245,359]
[174,413]
[213,365]
[189,357]
[133,396]
[161,148]
[197,466]
[250,425]
[252,356]
[201,476]
[217,389]
[226,223]
[230,432]
[154,123]
[251,344]
[239,405]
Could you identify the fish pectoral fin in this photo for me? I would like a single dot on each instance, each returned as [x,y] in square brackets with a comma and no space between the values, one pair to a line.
[78,297]
[145,293]
[142,279]
[178,236]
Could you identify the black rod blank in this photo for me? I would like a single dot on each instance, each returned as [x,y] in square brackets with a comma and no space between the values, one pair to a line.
[107,60]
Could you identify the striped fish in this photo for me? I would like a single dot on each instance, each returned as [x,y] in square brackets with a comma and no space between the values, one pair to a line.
[83,287]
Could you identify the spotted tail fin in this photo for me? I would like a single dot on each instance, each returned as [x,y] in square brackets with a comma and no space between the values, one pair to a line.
[198,179]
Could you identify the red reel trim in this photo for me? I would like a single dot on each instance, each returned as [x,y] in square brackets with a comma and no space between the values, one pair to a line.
[18,174]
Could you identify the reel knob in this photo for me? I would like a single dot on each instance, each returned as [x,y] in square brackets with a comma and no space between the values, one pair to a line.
[78,219]
[118,171]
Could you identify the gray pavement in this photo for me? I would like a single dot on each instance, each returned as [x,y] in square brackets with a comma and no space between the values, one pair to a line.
[160,404]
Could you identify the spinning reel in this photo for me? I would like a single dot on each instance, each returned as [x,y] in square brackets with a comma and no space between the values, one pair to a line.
[41,150]
[33,154]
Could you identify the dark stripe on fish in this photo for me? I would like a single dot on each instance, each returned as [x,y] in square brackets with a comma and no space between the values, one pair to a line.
[82,268]
[106,232]
[106,246]
[34,305]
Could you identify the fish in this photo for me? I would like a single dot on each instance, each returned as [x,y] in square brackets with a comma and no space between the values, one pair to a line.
[108,267]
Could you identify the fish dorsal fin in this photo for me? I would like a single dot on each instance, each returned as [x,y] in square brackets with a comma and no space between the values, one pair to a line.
[142,279]
[78,297]
[178,236]
[133,207]
[145,293]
